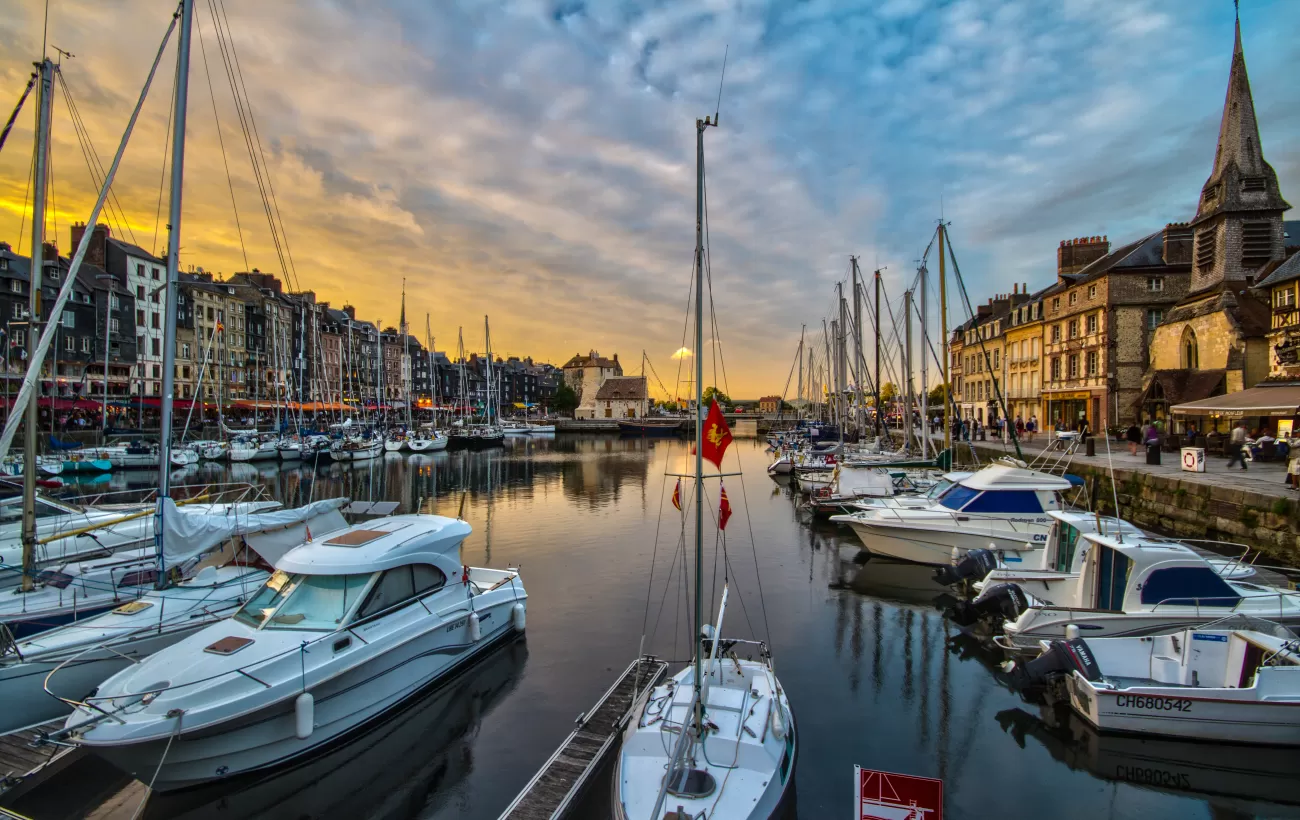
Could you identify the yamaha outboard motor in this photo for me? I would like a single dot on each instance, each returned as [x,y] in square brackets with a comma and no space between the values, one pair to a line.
[1061,658]
[975,565]
[1000,602]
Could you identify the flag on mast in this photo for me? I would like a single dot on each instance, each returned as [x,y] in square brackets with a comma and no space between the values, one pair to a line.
[677,495]
[717,435]
[724,508]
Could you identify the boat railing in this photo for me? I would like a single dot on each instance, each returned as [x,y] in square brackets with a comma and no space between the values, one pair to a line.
[216,493]
[1236,601]
[1055,458]
[958,516]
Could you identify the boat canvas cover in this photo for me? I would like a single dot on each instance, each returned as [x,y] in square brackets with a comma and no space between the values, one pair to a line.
[188,533]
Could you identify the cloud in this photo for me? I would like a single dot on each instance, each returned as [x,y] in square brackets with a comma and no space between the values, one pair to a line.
[536,161]
[682,353]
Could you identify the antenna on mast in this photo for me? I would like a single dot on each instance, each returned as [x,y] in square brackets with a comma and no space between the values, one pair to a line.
[62,54]
[718,108]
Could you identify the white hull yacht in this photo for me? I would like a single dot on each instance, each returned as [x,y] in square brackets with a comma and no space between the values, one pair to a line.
[1001,507]
[1233,681]
[347,629]
[87,653]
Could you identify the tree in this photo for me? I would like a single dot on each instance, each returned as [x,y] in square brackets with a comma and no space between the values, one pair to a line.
[936,397]
[566,400]
[888,392]
[669,406]
[711,393]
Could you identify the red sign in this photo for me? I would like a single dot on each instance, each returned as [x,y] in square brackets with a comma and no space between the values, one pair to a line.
[889,796]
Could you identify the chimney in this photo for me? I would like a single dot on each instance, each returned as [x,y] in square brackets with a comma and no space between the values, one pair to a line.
[1074,255]
[351,312]
[97,251]
[1178,244]
[51,254]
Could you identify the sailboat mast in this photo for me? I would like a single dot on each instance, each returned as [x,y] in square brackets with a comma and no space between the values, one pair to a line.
[700,125]
[879,419]
[907,369]
[173,269]
[799,356]
[45,102]
[859,362]
[943,328]
[925,373]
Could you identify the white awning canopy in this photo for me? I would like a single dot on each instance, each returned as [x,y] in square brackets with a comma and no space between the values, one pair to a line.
[1271,400]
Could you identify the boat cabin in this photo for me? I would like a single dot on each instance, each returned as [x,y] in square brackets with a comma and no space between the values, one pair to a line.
[1142,573]
[1001,489]
[1067,548]
[358,573]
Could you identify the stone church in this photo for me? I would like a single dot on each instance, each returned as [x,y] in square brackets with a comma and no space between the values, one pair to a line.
[1215,339]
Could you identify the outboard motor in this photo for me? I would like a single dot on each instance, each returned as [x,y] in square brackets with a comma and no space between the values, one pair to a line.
[1000,602]
[1061,658]
[975,565]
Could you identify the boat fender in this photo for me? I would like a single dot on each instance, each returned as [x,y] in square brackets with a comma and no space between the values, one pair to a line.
[304,715]
[518,617]
[1071,631]
[975,565]
[475,631]
[778,723]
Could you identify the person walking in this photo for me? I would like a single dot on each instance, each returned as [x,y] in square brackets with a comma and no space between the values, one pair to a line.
[1134,437]
[1238,445]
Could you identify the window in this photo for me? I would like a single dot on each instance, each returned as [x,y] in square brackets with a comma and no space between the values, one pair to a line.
[85,344]
[20,336]
[1073,361]
[1006,501]
[1253,185]
[1056,305]
[114,326]
[1188,586]
[303,601]
[1056,333]
[1092,324]
[1284,298]
[1189,356]
[15,285]
[1092,359]
[1074,328]
[156,274]
[1074,297]
[1092,292]
[1155,284]
[116,303]
[69,319]
[996,355]
[139,270]
[153,296]
[1205,249]
[154,345]
[157,371]
[957,497]
[1154,317]
[210,313]
[185,350]
[139,318]
[69,344]
[154,320]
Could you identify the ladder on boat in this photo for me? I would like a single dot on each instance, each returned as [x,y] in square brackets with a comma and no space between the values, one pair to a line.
[557,785]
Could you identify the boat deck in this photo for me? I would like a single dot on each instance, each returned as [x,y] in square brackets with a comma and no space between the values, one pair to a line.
[554,788]
[23,764]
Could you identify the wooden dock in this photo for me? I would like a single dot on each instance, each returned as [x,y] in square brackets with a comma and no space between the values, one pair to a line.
[556,787]
[23,764]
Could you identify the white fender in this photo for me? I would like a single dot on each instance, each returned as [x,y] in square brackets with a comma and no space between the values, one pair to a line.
[304,715]
[1071,631]
[475,631]
[518,617]
[778,722]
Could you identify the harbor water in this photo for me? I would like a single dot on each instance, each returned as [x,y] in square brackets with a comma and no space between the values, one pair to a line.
[875,675]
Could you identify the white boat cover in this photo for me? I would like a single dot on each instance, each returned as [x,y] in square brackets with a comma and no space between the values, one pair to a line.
[189,533]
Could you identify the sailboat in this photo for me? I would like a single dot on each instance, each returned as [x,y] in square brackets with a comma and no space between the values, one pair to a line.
[718,738]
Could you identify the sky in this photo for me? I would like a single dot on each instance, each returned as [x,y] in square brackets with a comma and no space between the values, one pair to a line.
[534,161]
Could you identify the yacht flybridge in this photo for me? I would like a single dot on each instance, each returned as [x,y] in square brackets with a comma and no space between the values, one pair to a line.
[1002,507]
[347,628]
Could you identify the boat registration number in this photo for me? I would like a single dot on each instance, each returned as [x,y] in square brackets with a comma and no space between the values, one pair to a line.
[1153,702]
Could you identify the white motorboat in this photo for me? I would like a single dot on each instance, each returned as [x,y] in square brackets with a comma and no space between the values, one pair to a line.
[357,450]
[134,453]
[540,429]
[347,629]
[45,465]
[1042,572]
[1001,507]
[66,593]
[182,456]
[1235,681]
[783,465]
[246,450]
[514,428]
[422,443]
[1131,585]
[912,501]
[96,647]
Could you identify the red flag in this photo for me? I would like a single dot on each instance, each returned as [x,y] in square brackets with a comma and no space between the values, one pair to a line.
[308,528]
[716,434]
[677,495]
[724,510]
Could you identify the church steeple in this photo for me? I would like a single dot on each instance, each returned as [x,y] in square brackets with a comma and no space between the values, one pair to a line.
[401,326]
[1238,220]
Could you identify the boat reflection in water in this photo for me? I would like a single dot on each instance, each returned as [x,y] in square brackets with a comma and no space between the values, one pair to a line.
[389,771]
[1250,780]
[891,580]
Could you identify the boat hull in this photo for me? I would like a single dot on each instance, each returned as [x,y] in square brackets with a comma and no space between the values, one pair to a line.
[1182,713]
[343,705]
[427,445]
[1048,623]
[647,429]
[935,546]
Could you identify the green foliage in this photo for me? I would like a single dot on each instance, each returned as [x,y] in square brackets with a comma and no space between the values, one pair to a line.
[936,396]
[888,392]
[669,406]
[1249,517]
[566,400]
[711,393]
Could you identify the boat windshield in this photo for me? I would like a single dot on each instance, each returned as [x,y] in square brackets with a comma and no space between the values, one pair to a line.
[938,489]
[303,601]
[957,497]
